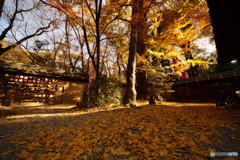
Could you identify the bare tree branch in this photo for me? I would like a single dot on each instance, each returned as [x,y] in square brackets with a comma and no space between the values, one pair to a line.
[1,7]
[36,33]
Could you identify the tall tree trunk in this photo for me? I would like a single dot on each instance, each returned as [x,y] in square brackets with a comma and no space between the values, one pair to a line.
[118,64]
[98,42]
[98,51]
[131,94]
[142,87]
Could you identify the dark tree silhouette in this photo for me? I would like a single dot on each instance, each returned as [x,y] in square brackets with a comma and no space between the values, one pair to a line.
[225,21]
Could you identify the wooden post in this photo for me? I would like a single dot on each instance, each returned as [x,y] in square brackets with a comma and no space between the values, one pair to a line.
[62,95]
[7,99]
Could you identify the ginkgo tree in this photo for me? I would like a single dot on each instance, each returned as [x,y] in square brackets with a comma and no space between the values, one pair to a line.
[169,28]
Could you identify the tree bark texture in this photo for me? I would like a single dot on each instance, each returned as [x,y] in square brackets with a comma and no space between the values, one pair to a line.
[131,94]
[142,85]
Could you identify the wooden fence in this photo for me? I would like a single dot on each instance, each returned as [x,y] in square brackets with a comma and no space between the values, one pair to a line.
[28,83]
[208,87]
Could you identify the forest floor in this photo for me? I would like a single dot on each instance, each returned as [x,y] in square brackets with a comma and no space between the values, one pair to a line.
[167,130]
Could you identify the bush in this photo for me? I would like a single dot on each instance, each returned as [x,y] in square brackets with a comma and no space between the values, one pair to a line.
[109,91]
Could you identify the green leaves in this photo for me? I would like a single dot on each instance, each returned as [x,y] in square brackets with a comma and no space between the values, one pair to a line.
[109,92]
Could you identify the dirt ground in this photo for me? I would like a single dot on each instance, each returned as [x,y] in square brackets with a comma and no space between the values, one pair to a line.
[168,130]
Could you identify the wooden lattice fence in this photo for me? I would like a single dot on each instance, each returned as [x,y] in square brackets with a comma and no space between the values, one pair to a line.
[28,83]
[23,88]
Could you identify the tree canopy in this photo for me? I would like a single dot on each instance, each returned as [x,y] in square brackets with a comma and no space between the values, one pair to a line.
[155,39]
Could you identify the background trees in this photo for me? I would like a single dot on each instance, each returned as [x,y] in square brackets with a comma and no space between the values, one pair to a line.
[165,32]
[15,24]
[141,41]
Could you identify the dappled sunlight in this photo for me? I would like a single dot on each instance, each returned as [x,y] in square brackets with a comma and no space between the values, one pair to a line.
[58,59]
[142,102]
[29,106]
[115,132]
[182,104]
[28,113]
[29,117]
[55,107]
[176,104]
[5,108]
[43,115]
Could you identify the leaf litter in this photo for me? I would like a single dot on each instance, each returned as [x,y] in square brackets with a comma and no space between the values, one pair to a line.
[169,131]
